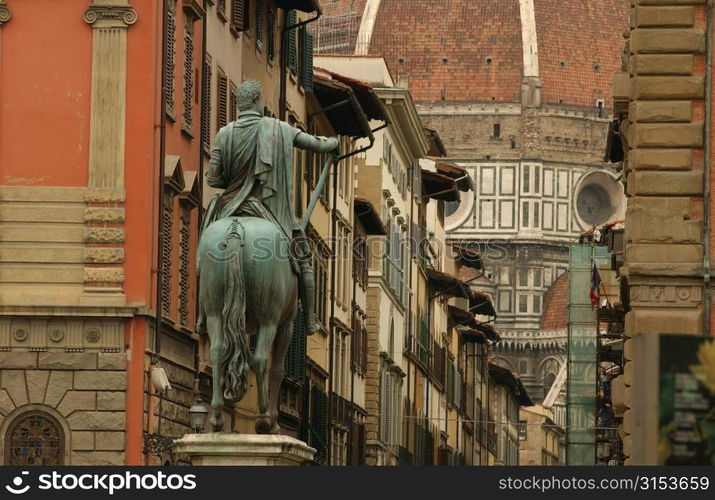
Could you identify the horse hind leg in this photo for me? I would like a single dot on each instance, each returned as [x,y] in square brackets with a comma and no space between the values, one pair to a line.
[213,324]
[261,363]
[280,348]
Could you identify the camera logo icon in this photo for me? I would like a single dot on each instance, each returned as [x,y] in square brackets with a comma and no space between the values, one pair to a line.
[16,488]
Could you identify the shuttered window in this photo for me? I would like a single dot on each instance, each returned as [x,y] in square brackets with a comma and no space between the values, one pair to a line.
[221,9]
[260,21]
[167,228]
[292,42]
[295,357]
[184,263]
[271,38]
[298,183]
[188,100]
[306,78]
[206,104]
[386,416]
[221,98]
[319,424]
[233,102]
[237,16]
[240,16]
[170,56]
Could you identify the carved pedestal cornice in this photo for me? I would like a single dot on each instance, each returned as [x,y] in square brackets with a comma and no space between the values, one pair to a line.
[110,16]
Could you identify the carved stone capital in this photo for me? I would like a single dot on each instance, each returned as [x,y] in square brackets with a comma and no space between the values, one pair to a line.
[110,16]
[5,13]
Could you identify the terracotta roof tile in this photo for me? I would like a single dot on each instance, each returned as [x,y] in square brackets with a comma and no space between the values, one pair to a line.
[556,305]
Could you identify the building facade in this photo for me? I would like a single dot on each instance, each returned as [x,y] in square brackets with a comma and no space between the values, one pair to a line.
[663,98]
[526,117]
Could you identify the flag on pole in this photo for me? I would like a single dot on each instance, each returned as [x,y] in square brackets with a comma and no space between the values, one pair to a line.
[595,293]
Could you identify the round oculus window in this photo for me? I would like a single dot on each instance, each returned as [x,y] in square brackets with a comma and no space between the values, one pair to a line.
[594,204]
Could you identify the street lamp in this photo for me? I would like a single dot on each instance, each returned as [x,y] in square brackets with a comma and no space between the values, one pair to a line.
[197,416]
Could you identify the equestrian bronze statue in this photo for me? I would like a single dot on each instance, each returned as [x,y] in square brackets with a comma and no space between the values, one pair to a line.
[253,256]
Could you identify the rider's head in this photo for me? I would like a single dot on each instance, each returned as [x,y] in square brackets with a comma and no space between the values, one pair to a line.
[249,96]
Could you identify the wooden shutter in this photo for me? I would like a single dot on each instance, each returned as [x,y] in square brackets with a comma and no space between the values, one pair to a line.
[295,357]
[299,183]
[237,15]
[271,48]
[233,102]
[260,21]
[307,66]
[170,44]
[291,19]
[319,423]
[222,98]
[167,229]
[206,104]
[361,444]
[188,79]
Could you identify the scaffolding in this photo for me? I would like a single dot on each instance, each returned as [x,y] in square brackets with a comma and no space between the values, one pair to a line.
[582,352]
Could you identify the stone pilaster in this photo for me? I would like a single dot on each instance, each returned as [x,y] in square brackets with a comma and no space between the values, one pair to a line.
[104,216]
[663,169]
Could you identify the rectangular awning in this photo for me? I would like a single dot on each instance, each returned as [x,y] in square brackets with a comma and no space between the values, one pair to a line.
[505,377]
[446,284]
[366,96]
[489,332]
[461,316]
[343,109]
[456,172]
[368,217]
[439,187]
[301,5]
[472,335]
[436,146]
[481,303]
[468,257]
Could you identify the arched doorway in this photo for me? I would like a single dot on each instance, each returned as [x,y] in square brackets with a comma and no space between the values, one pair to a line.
[34,438]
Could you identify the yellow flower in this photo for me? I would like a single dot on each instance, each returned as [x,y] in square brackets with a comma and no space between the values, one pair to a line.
[705,371]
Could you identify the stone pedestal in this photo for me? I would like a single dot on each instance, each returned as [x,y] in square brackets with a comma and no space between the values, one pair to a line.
[243,449]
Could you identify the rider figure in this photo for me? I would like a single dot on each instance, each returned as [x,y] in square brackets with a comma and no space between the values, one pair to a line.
[252,160]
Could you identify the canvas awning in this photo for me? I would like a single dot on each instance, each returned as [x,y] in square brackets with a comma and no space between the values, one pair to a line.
[345,113]
[439,186]
[368,217]
[446,284]
[456,172]
[481,303]
[489,332]
[301,5]
[473,335]
[366,96]
[467,256]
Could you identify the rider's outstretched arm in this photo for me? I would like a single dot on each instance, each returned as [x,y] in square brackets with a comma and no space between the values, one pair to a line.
[316,143]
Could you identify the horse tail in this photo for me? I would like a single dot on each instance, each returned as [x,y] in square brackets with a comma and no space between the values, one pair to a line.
[235,362]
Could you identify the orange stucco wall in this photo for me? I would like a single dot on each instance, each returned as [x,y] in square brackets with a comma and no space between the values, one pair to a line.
[44,124]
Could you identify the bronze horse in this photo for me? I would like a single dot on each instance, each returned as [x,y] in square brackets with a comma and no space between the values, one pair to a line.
[247,287]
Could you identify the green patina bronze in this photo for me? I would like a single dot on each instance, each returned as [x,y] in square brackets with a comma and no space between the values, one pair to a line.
[253,257]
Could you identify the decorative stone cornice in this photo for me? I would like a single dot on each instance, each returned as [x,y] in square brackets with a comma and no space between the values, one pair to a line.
[5,13]
[110,16]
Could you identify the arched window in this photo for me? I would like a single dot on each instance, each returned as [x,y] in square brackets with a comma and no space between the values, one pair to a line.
[522,367]
[34,438]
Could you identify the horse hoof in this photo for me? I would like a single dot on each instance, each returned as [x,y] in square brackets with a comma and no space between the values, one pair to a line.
[217,423]
[263,425]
